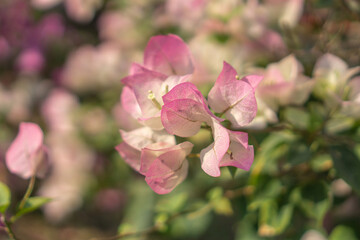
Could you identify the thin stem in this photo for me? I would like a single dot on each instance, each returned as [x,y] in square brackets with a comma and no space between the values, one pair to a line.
[28,192]
[8,229]
[194,155]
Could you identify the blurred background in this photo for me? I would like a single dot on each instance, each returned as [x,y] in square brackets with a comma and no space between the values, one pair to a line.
[61,62]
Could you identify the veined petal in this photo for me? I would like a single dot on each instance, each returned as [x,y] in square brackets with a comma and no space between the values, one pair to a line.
[211,156]
[235,98]
[168,55]
[183,117]
[163,184]
[169,168]
[238,156]
[151,152]
[188,90]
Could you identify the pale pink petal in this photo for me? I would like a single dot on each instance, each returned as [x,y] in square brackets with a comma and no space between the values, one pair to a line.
[169,168]
[188,90]
[130,155]
[211,156]
[151,152]
[217,100]
[238,156]
[129,102]
[142,137]
[166,183]
[168,55]
[25,153]
[232,97]
[141,84]
[136,68]
[240,137]
[329,62]
[152,122]
[253,80]
[183,117]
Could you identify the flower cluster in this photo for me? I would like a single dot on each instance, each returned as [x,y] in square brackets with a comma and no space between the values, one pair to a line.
[160,95]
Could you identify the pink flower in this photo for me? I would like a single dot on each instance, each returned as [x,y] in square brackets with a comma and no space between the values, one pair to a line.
[229,148]
[167,62]
[27,156]
[284,83]
[134,141]
[184,112]
[234,98]
[164,165]
[155,155]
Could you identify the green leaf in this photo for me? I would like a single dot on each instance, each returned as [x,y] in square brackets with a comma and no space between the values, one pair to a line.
[139,212]
[298,153]
[269,192]
[347,165]
[31,205]
[313,199]
[297,117]
[172,203]
[342,232]
[273,221]
[5,198]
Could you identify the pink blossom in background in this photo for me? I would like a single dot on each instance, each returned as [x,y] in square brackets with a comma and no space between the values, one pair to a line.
[51,28]
[27,156]
[187,14]
[58,110]
[78,10]
[284,83]
[331,74]
[91,68]
[71,175]
[30,61]
[82,10]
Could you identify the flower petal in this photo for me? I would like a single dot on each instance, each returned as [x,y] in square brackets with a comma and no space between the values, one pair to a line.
[129,102]
[130,155]
[234,98]
[253,80]
[188,90]
[22,155]
[168,55]
[142,137]
[169,168]
[211,156]
[183,117]
[239,156]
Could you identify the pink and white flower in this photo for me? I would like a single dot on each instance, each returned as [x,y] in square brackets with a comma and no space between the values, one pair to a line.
[167,62]
[155,155]
[27,155]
